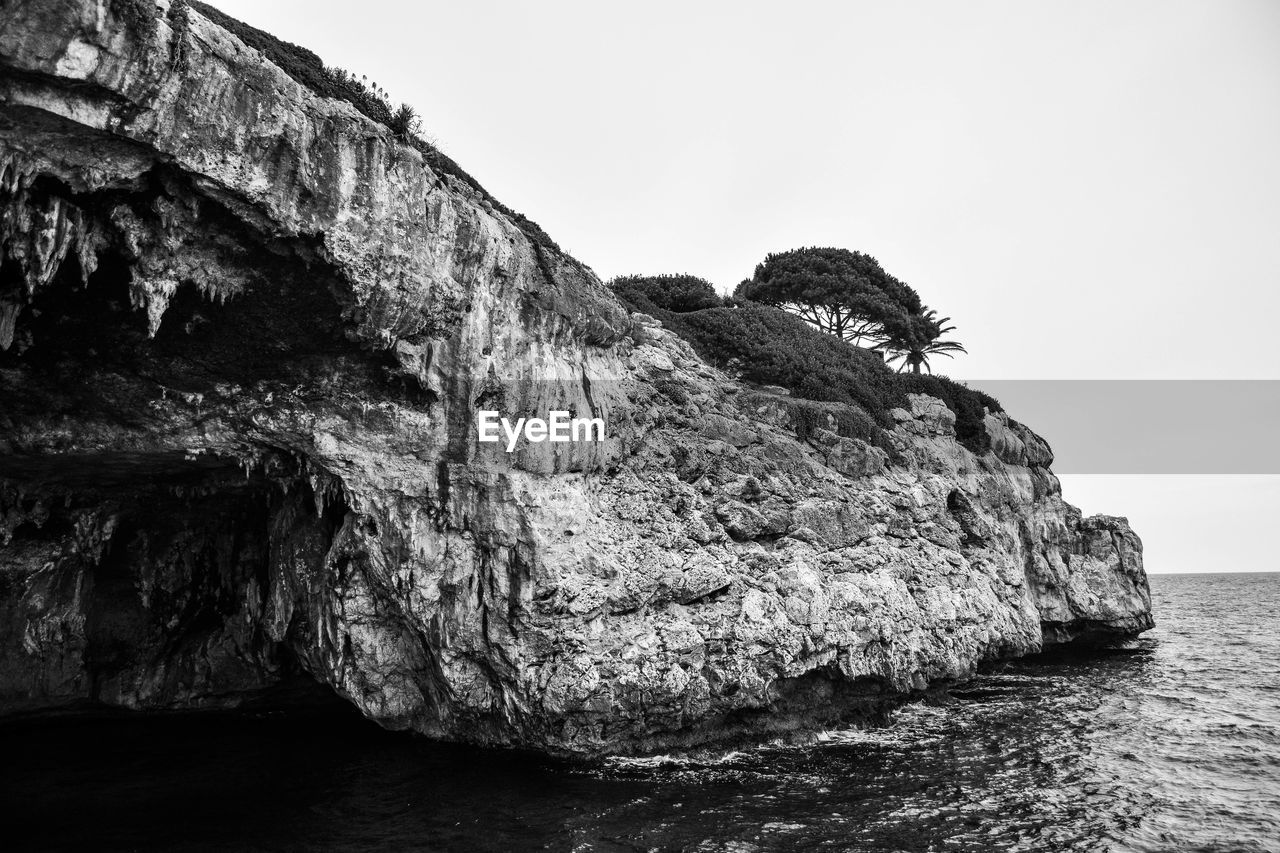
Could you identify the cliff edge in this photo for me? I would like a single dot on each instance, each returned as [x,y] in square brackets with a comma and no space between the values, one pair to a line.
[244,334]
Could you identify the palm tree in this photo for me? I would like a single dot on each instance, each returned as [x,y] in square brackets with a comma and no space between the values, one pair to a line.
[912,345]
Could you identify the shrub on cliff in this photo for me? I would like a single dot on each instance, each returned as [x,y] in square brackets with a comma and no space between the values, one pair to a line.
[769,346]
[406,122]
[965,402]
[851,421]
[679,293]
[772,347]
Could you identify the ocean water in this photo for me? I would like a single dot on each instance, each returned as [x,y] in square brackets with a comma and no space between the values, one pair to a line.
[1173,745]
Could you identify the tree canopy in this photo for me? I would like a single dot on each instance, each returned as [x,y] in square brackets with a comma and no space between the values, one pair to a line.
[849,295]
[843,293]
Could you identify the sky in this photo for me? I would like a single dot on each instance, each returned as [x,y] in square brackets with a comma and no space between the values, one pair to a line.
[1090,190]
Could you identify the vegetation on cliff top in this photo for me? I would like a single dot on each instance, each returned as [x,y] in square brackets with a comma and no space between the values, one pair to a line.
[306,68]
[770,346]
[843,293]
[849,295]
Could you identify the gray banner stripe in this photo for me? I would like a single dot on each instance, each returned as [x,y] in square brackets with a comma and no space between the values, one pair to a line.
[1150,426]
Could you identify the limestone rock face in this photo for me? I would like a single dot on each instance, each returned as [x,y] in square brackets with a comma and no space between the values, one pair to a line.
[244,335]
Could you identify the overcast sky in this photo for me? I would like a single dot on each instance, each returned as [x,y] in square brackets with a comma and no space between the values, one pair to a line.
[1089,189]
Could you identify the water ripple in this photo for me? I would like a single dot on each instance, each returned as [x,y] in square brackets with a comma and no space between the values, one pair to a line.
[1171,746]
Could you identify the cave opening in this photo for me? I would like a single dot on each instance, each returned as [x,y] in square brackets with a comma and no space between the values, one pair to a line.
[70,320]
[143,519]
[167,565]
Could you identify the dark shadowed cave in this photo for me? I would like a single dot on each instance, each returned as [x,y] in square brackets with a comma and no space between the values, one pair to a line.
[160,559]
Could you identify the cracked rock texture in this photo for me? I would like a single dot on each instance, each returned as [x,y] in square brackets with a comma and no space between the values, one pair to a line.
[244,333]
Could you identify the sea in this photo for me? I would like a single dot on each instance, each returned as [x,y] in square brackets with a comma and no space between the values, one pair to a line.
[1170,745]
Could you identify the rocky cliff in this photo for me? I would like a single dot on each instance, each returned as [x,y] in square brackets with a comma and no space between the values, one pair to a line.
[244,334]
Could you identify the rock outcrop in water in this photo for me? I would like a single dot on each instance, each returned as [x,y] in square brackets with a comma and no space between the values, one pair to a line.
[245,332]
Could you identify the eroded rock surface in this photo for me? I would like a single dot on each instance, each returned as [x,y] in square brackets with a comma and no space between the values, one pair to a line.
[244,333]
